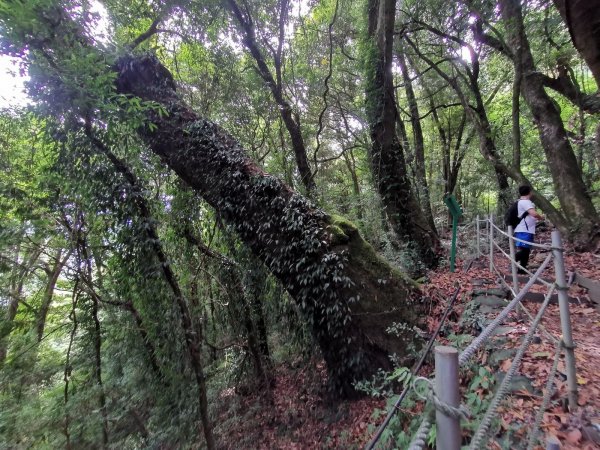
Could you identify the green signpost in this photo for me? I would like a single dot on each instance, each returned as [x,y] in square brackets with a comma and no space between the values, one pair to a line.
[456,212]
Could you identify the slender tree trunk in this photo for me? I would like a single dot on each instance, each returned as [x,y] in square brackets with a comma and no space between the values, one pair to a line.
[19,273]
[256,286]
[150,349]
[68,367]
[86,260]
[386,153]
[53,275]
[566,175]
[351,165]
[98,370]
[291,121]
[192,335]
[238,300]
[419,142]
[253,339]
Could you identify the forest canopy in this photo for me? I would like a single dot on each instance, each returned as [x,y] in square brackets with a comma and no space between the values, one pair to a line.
[198,191]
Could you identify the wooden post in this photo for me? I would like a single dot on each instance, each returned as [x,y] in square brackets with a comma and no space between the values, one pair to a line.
[477,236]
[491,230]
[448,435]
[565,318]
[513,264]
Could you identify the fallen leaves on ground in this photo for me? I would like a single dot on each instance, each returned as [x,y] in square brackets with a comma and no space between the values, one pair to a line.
[301,416]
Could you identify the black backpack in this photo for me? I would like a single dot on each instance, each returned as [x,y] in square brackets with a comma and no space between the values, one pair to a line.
[511,218]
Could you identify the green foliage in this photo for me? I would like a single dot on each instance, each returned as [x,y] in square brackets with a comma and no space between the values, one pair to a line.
[60,192]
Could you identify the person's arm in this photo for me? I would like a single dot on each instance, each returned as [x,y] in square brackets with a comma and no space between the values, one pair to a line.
[533,213]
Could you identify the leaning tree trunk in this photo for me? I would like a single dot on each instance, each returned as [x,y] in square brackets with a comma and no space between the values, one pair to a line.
[386,153]
[347,293]
[566,175]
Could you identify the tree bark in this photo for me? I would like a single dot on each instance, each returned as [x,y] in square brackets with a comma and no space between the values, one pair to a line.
[582,18]
[419,142]
[386,153]
[346,292]
[53,275]
[566,175]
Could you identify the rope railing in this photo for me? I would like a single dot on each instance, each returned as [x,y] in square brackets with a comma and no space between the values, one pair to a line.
[455,412]
[549,392]
[487,332]
[415,371]
[533,244]
[504,387]
[540,279]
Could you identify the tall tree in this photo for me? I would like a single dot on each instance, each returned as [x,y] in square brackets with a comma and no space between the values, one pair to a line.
[418,139]
[575,201]
[386,154]
[348,295]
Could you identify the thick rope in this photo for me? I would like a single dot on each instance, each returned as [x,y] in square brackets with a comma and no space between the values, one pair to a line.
[460,412]
[541,280]
[420,439]
[542,328]
[533,438]
[468,353]
[533,244]
[415,370]
[503,389]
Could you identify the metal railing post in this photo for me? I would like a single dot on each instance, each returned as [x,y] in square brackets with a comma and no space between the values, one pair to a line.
[491,229]
[565,317]
[448,436]
[477,236]
[513,264]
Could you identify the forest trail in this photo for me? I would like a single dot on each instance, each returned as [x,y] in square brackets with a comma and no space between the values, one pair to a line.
[302,417]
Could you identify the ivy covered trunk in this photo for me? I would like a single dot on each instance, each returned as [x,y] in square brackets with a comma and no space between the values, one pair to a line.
[386,154]
[346,292]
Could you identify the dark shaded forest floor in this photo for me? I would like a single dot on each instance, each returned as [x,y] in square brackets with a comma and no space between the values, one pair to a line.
[301,416]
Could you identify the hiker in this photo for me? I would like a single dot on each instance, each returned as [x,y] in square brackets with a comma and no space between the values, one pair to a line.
[525,230]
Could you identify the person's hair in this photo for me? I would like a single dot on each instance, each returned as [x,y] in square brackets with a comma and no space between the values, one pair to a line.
[524,190]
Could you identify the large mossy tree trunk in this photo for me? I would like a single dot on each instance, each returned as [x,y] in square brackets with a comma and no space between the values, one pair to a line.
[347,293]
[386,153]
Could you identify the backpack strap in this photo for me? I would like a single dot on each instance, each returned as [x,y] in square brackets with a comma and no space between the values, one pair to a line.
[522,217]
